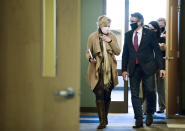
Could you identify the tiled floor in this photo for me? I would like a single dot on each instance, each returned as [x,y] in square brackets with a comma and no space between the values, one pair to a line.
[124,122]
[128,121]
[125,127]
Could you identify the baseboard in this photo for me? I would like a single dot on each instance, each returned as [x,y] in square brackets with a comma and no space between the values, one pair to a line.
[183,112]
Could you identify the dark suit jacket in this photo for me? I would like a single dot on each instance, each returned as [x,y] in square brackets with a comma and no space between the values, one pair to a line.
[148,54]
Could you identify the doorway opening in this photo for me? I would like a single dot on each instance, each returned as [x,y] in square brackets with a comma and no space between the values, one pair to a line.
[118,11]
[115,10]
[171,31]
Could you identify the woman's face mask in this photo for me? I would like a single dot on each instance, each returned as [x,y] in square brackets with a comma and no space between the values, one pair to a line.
[105,30]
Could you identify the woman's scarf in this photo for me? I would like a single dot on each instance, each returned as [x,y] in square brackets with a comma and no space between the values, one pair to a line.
[106,67]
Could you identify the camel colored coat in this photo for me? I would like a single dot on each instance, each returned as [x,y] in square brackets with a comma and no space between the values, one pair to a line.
[112,50]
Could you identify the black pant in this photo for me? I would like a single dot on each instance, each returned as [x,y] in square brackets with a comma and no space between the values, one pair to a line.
[148,86]
[102,93]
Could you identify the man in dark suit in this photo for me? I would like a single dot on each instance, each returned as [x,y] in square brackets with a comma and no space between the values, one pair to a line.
[140,60]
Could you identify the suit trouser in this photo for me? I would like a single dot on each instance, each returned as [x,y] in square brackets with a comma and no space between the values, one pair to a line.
[160,83]
[144,100]
[148,86]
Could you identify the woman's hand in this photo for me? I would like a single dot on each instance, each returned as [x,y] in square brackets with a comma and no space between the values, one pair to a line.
[93,60]
[105,38]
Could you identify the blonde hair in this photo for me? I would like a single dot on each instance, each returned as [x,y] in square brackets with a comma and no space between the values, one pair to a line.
[103,21]
[162,19]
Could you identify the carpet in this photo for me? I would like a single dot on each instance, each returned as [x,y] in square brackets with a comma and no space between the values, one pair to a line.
[126,119]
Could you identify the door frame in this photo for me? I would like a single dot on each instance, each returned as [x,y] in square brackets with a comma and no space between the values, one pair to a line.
[171,82]
[121,106]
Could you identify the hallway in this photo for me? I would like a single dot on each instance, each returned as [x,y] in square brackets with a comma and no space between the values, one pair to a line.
[124,122]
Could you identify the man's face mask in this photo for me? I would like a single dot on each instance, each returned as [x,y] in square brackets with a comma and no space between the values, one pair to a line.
[162,29]
[105,30]
[134,26]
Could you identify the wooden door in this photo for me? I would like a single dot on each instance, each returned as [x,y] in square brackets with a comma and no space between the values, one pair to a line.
[172,58]
[29,100]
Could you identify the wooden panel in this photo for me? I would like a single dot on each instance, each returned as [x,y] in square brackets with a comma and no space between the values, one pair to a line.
[171,64]
[49,38]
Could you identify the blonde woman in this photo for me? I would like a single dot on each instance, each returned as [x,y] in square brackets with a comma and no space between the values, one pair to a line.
[102,47]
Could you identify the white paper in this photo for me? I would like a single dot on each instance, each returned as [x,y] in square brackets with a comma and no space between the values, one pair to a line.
[90,53]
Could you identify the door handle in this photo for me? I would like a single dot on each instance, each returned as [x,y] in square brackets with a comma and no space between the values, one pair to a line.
[68,93]
[169,58]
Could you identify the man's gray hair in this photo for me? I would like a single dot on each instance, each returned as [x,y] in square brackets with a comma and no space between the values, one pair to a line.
[139,17]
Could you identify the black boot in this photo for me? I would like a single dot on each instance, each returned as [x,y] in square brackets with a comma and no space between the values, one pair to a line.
[101,113]
[107,103]
[138,124]
[149,120]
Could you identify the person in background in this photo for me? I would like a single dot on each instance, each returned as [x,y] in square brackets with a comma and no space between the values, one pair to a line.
[160,81]
[102,76]
[140,64]
[154,26]
[162,25]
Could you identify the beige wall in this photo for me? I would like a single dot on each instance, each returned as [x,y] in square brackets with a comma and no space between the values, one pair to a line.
[26,98]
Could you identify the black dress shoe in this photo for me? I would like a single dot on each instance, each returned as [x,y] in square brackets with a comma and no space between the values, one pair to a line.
[149,120]
[138,124]
[160,111]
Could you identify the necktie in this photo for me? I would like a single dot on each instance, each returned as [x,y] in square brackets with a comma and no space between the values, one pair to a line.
[136,45]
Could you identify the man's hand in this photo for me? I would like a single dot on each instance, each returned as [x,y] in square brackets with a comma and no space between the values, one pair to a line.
[93,60]
[105,38]
[162,73]
[125,75]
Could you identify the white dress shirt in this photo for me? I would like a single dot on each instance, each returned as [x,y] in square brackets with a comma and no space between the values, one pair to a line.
[139,34]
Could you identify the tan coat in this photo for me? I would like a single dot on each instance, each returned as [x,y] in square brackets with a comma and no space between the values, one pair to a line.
[112,50]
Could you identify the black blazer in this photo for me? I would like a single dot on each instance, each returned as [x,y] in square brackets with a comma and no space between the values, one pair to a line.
[149,54]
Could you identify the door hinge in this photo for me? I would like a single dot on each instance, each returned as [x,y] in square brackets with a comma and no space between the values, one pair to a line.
[178,9]
[178,54]
[178,100]
[179,6]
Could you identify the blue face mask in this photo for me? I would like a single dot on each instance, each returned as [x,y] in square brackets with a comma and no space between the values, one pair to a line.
[134,26]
